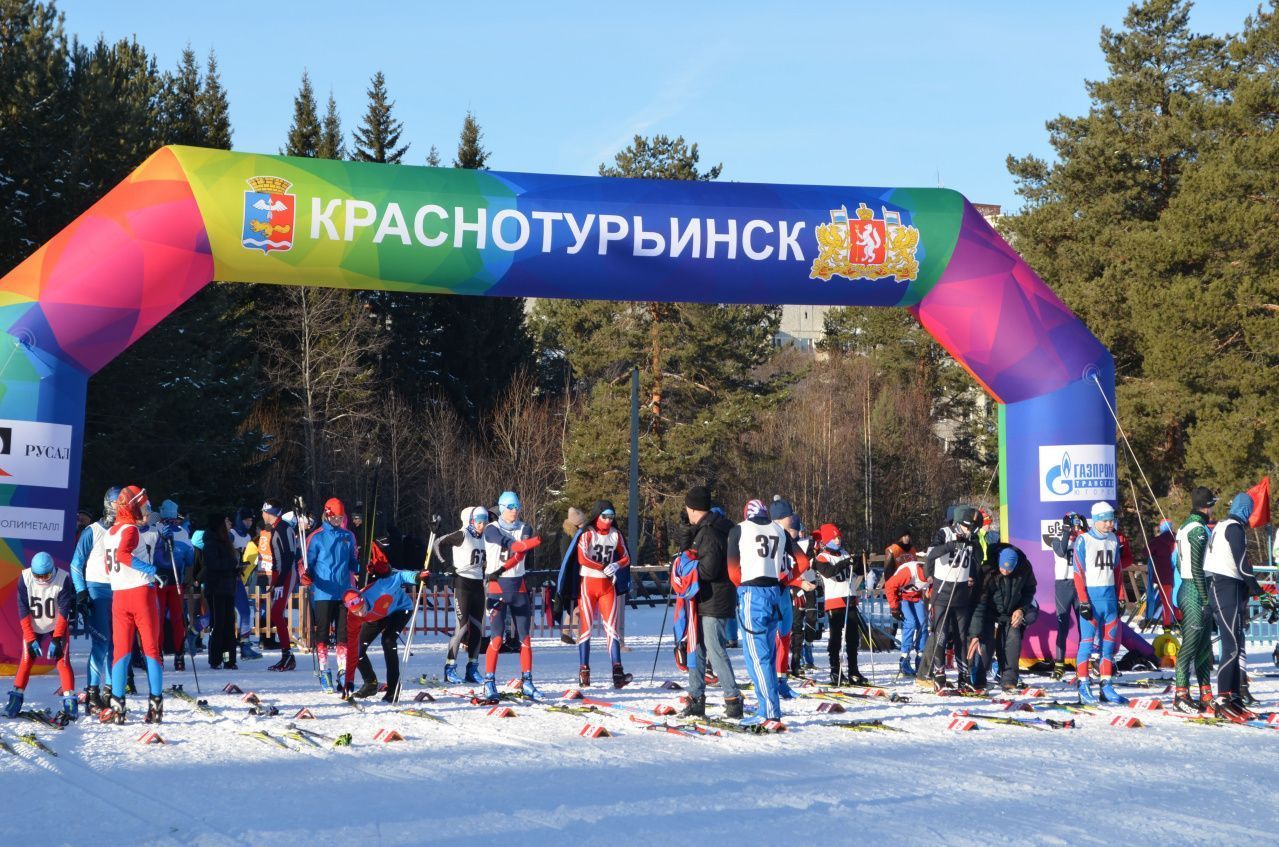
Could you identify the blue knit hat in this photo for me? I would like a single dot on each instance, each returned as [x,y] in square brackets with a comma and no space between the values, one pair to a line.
[1241,506]
[42,564]
[1007,559]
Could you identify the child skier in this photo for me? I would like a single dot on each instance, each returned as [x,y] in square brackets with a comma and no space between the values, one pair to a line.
[93,601]
[173,555]
[331,572]
[601,554]
[906,592]
[465,547]
[45,608]
[505,545]
[758,548]
[134,609]
[1099,588]
[382,608]
[835,566]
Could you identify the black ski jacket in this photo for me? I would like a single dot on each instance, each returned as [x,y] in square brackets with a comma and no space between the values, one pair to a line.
[716,594]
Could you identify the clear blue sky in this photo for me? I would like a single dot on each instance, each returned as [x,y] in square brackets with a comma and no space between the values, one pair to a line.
[840,93]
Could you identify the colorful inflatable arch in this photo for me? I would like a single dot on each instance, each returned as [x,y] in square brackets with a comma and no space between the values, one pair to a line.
[188,215]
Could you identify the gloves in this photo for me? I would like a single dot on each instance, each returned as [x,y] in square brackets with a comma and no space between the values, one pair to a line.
[166,531]
[1085,611]
[423,576]
[33,647]
[526,545]
[54,650]
[83,603]
[277,593]
[610,569]
[898,614]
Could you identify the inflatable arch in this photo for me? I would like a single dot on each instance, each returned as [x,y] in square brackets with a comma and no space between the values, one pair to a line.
[187,216]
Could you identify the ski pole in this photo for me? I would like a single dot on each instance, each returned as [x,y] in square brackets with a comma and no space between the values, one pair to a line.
[421,588]
[661,633]
[303,526]
[870,634]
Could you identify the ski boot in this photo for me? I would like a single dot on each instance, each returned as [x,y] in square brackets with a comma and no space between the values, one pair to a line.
[473,673]
[1059,670]
[1205,698]
[1110,695]
[620,677]
[392,694]
[854,677]
[584,676]
[92,700]
[1245,695]
[450,674]
[1182,702]
[709,678]
[114,711]
[155,709]
[1231,708]
[286,663]
[783,690]
[1276,656]
[695,707]
[733,708]
[130,687]
[368,689]
[528,688]
[836,679]
[490,696]
[15,704]
[903,667]
[1086,695]
[179,662]
[70,708]
[247,651]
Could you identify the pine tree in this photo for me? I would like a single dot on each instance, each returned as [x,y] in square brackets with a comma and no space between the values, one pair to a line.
[433,157]
[34,115]
[470,153]
[180,106]
[304,132]
[378,136]
[331,145]
[213,109]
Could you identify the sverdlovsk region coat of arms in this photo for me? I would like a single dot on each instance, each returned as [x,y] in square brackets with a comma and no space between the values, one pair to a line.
[866,247]
[268,215]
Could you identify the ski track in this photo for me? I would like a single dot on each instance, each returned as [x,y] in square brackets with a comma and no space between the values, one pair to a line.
[533,778]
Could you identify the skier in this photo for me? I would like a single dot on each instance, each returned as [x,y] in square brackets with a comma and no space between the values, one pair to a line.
[466,553]
[93,600]
[331,572]
[835,566]
[601,555]
[134,609]
[783,514]
[275,548]
[906,592]
[898,553]
[1003,610]
[241,538]
[380,609]
[45,608]
[220,573]
[1099,588]
[1231,583]
[1073,525]
[173,552]
[712,608]
[951,569]
[758,551]
[1192,598]
[506,543]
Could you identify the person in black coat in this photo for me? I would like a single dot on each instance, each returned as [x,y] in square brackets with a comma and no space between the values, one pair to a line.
[1004,607]
[221,572]
[716,605]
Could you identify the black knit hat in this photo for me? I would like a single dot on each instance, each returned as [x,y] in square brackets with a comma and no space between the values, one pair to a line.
[698,499]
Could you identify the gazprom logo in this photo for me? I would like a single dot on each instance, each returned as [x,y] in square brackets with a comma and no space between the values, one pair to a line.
[1077,472]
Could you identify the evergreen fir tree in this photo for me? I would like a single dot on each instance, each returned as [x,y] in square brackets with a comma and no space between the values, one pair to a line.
[213,109]
[304,132]
[433,157]
[377,138]
[331,145]
[470,153]
[180,105]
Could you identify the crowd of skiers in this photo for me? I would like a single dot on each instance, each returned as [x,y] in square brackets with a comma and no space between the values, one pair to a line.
[967,598]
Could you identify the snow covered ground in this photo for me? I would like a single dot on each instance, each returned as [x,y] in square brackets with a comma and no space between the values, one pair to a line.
[533,780]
